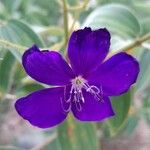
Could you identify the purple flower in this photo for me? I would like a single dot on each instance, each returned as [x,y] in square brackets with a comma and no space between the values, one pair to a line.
[82,87]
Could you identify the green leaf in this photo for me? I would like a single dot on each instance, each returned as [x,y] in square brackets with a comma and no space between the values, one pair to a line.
[121,105]
[146,106]
[131,125]
[145,26]
[117,18]
[75,135]
[11,5]
[19,33]
[23,32]
[142,7]
[7,68]
[143,80]
[28,88]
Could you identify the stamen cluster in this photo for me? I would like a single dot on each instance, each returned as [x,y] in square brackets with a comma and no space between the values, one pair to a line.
[78,84]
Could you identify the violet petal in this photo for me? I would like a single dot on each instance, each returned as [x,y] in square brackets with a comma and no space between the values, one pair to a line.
[116,75]
[87,49]
[42,108]
[46,66]
[92,109]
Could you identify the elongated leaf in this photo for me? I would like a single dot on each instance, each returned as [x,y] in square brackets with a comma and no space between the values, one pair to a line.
[6,72]
[25,33]
[146,106]
[11,5]
[131,125]
[55,145]
[75,135]
[142,7]
[145,26]
[16,32]
[28,88]
[117,18]
[144,78]
[19,33]
[121,105]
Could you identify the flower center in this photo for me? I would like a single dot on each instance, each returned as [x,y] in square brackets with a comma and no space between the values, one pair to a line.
[76,94]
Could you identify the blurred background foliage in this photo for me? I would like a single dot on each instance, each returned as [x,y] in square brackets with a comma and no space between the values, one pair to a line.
[27,22]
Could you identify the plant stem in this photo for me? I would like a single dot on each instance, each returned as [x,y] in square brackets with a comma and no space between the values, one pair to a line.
[77,10]
[65,16]
[7,44]
[53,30]
[137,43]
[79,7]
[131,46]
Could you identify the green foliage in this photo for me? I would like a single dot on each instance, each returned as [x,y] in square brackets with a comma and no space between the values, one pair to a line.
[19,33]
[24,33]
[130,125]
[28,88]
[145,109]
[117,18]
[7,69]
[144,80]
[121,105]
[78,135]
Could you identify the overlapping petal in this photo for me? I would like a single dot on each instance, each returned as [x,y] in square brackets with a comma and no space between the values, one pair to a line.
[116,75]
[87,49]
[47,67]
[93,110]
[42,108]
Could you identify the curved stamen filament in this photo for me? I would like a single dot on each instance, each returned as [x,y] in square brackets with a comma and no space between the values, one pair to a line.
[78,106]
[95,91]
[67,101]
[76,94]
[63,107]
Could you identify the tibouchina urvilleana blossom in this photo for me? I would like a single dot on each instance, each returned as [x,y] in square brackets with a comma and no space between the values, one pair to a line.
[82,86]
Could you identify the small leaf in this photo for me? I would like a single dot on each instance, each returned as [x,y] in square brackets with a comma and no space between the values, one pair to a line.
[75,135]
[25,33]
[11,5]
[121,105]
[28,88]
[19,33]
[6,72]
[145,26]
[146,107]
[143,80]
[131,125]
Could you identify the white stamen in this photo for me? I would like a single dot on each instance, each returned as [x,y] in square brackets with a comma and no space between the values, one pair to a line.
[65,109]
[66,100]
[94,90]
[78,106]
[76,94]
